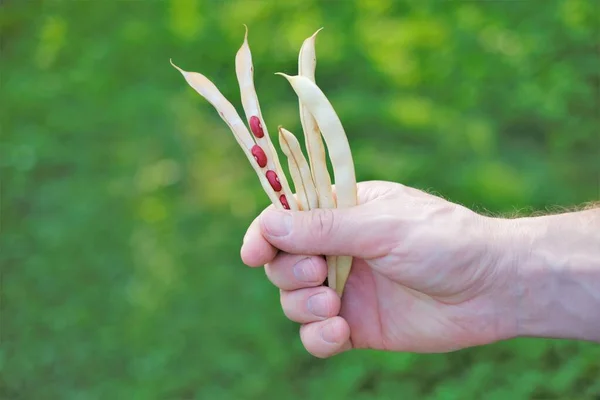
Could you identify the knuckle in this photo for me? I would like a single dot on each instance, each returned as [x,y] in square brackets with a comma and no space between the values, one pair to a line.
[324,220]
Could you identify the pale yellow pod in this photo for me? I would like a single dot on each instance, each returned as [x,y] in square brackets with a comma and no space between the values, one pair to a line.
[245,76]
[209,91]
[339,152]
[299,170]
[307,64]
[343,268]
[332,262]
[335,137]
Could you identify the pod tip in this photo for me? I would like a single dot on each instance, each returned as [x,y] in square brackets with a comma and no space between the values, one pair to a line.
[175,66]
[286,76]
[318,30]
[287,135]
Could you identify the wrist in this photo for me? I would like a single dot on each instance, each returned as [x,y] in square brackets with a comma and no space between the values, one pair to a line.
[557,264]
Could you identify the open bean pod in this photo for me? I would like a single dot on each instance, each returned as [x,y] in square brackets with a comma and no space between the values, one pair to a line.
[245,75]
[257,146]
[255,155]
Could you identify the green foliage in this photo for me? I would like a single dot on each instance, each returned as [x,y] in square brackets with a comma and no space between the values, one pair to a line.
[125,198]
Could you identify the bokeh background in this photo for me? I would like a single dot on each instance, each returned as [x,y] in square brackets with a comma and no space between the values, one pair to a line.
[125,197]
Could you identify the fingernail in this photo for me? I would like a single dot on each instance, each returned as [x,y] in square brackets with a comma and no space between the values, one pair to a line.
[317,305]
[328,333]
[277,223]
[305,270]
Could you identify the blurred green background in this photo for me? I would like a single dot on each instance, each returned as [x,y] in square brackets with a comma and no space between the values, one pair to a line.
[125,197]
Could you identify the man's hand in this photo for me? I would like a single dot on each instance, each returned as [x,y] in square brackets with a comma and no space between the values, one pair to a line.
[425,277]
[428,275]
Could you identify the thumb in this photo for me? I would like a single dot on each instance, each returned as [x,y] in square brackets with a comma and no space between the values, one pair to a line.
[333,232]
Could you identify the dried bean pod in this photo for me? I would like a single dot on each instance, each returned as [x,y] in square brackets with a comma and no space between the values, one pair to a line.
[245,76]
[307,63]
[339,152]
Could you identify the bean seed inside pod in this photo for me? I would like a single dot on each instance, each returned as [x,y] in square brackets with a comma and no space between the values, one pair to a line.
[284,202]
[256,127]
[259,155]
[273,180]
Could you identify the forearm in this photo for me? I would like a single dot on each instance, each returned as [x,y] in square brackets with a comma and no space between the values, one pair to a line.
[558,268]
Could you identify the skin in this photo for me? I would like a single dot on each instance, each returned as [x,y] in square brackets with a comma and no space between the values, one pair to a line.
[429,275]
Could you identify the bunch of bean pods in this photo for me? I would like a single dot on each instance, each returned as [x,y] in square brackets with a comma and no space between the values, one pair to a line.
[319,120]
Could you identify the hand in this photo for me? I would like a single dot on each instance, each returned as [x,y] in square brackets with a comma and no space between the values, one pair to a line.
[426,277]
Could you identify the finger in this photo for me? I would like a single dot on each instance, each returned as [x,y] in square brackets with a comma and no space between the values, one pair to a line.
[256,250]
[310,304]
[291,272]
[326,338]
[353,231]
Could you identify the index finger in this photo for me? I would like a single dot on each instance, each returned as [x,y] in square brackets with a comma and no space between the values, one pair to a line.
[256,250]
